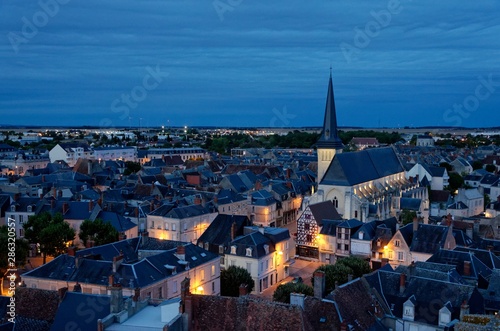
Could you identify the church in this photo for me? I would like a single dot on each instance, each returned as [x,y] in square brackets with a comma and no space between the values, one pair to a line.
[362,186]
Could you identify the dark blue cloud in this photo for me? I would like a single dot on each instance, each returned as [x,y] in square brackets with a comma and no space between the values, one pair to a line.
[257,64]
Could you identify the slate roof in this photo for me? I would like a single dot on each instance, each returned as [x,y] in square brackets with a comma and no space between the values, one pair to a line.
[410,204]
[459,205]
[329,227]
[120,223]
[439,196]
[81,311]
[262,198]
[429,238]
[219,231]
[349,169]
[324,210]
[255,241]
[95,264]
[352,224]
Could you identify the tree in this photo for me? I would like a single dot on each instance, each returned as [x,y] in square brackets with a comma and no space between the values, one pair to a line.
[131,167]
[477,165]
[340,271]
[51,232]
[455,182]
[99,231]
[446,165]
[232,278]
[490,168]
[407,216]
[21,250]
[282,292]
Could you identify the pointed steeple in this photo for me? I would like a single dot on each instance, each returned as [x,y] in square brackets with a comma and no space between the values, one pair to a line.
[329,136]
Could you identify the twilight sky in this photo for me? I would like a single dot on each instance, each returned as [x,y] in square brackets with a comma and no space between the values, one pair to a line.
[249,63]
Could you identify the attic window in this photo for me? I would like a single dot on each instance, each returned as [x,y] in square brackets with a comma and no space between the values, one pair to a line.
[29,209]
[221,249]
[203,254]
[266,249]
[194,258]
[249,252]
[233,249]
[206,246]
[13,208]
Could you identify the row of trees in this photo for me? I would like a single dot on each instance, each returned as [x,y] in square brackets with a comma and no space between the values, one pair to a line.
[293,139]
[53,234]
[335,274]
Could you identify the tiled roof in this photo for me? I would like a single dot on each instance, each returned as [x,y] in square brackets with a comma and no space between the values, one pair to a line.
[324,210]
[348,169]
[429,238]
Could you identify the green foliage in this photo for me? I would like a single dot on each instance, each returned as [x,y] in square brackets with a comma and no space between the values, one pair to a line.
[131,167]
[449,167]
[490,168]
[282,292]
[99,231]
[407,216]
[51,232]
[339,272]
[382,137]
[231,279]
[21,250]
[477,165]
[455,182]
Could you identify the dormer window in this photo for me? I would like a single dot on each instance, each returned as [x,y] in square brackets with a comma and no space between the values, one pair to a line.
[13,208]
[233,249]
[409,309]
[29,208]
[249,252]
[445,314]
[221,249]
[206,246]
[266,249]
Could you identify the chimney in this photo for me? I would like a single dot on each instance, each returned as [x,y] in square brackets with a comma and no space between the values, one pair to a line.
[181,253]
[343,326]
[117,262]
[197,200]
[137,294]
[464,310]
[90,243]
[116,293]
[415,224]
[233,231]
[449,220]
[59,193]
[151,205]
[258,185]
[71,251]
[216,199]
[319,284]
[122,236]
[297,299]
[136,212]
[65,208]
[54,192]
[77,288]
[467,268]
[62,292]
[91,205]
[243,290]
[185,293]
[402,283]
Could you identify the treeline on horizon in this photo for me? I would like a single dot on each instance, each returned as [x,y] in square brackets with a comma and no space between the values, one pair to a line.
[223,144]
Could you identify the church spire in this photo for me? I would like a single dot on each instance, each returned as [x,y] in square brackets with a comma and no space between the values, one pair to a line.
[329,136]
